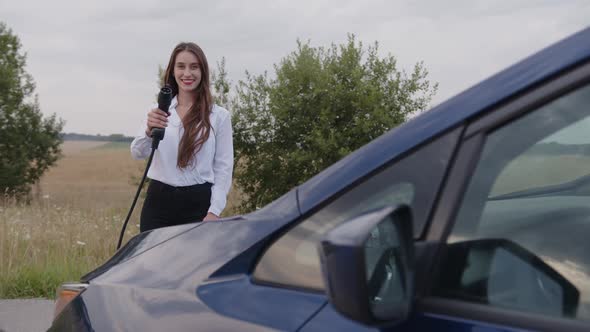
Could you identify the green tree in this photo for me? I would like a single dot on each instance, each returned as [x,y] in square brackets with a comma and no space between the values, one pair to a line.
[323,104]
[29,143]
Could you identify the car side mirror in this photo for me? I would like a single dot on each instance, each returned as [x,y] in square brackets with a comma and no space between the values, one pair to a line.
[502,273]
[367,265]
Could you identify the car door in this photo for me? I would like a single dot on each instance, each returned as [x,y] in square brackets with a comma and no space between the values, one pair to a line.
[515,218]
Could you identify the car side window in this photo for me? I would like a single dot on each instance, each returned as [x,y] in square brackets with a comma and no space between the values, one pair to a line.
[520,240]
[293,260]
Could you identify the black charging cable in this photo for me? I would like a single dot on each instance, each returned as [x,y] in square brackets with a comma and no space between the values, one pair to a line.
[164,100]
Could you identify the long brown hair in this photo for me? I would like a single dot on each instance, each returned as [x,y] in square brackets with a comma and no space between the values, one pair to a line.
[196,122]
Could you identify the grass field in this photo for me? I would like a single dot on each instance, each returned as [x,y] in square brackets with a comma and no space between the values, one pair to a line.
[73,224]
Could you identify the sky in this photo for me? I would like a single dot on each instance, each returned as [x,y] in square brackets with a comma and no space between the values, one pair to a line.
[95,62]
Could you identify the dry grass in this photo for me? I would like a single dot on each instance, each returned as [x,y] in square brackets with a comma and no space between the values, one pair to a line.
[91,178]
[73,224]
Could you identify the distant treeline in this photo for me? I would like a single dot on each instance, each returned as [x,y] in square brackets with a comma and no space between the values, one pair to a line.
[554,148]
[84,137]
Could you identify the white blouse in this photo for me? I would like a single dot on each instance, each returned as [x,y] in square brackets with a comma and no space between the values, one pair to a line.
[213,163]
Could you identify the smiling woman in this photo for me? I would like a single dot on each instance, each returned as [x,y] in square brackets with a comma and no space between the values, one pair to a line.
[192,171]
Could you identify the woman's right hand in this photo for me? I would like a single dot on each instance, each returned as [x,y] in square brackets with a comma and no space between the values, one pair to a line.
[156,119]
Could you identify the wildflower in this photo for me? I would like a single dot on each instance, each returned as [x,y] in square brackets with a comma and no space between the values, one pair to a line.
[81,243]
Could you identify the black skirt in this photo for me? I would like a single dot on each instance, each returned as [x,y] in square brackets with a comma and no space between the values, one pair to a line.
[166,205]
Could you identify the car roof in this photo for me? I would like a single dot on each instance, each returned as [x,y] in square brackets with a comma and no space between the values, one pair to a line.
[474,101]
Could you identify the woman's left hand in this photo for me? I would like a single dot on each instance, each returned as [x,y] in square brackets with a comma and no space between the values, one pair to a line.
[210,217]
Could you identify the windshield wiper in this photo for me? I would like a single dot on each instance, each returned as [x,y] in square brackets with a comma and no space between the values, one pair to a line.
[545,190]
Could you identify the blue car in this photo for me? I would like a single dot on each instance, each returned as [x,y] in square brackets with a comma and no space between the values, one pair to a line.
[474,216]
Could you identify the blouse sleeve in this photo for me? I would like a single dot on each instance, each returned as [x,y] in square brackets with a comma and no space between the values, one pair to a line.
[141,145]
[223,164]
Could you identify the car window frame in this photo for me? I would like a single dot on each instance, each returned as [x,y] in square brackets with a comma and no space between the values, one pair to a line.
[452,134]
[446,209]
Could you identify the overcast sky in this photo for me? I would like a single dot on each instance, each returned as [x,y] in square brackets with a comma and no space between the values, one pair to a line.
[95,62]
